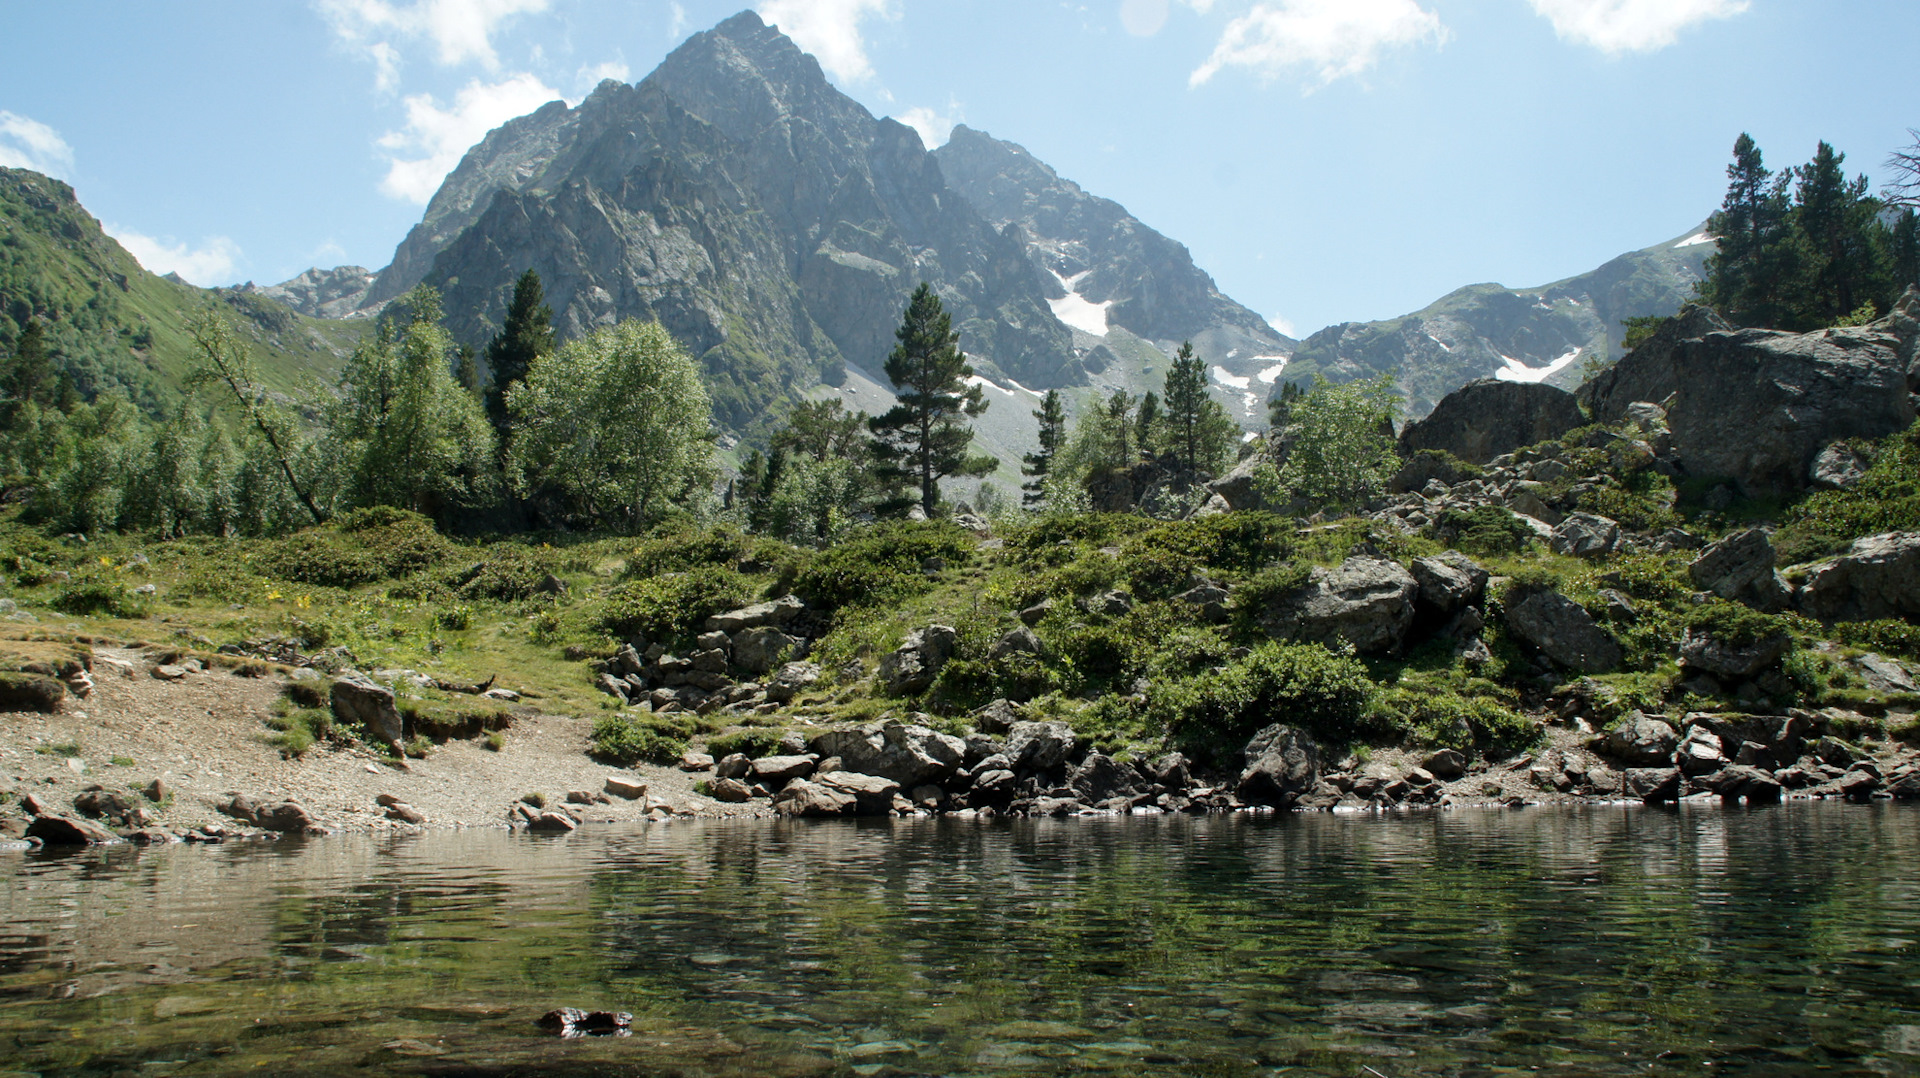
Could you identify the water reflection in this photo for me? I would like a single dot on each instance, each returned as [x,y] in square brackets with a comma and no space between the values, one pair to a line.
[1579,941]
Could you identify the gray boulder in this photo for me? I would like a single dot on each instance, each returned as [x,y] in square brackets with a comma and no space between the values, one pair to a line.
[996,717]
[913,666]
[1040,746]
[1446,764]
[1209,600]
[909,755]
[776,612]
[1485,419]
[1099,778]
[1641,741]
[731,791]
[772,771]
[793,679]
[1740,568]
[1701,752]
[1563,631]
[1653,785]
[1757,406]
[1837,467]
[1366,602]
[1722,658]
[1021,641]
[1584,535]
[359,701]
[1647,373]
[762,648]
[1449,582]
[1282,763]
[1878,577]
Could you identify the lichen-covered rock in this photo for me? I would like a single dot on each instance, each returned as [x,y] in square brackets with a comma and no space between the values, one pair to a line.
[1741,568]
[1878,577]
[1641,741]
[363,703]
[761,648]
[1040,746]
[1449,582]
[1585,535]
[1563,631]
[792,679]
[776,612]
[1757,406]
[1366,602]
[1729,659]
[1484,419]
[1282,763]
[905,754]
[1653,785]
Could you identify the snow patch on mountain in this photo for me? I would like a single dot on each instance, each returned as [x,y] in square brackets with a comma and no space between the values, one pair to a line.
[1695,240]
[1269,375]
[1516,371]
[1076,310]
[1228,378]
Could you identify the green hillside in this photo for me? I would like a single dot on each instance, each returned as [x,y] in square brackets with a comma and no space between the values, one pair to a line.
[111,323]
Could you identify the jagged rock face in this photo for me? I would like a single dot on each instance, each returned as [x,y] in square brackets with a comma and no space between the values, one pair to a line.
[1878,577]
[1758,406]
[1108,255]
[340,292]
[1484,419]
[770,222]
[1538,334]
[1647,372]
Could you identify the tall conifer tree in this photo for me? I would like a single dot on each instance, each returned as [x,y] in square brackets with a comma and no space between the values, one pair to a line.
[1038,465]
[924,438]
[528,332]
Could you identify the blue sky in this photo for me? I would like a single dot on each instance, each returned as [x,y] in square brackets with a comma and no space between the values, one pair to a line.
[1325,160]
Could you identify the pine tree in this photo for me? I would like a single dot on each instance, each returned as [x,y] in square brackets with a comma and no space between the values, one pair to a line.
[528,332]
[1906,251]
[1198,430]
[1742,276]
[1146,424]
[31,364]
[1053,438]
[924,438]
[1280,405]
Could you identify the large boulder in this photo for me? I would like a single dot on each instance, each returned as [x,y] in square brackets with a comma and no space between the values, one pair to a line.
[1878,577]
[1040,746]
[762,648]
[1731,658]
[1584,535]
[68,831]
[1757,406]
[1484,419]
[1100,778]
[1562,630]
[1641,741]
[1366,602]
[793,679]
[838,793]
[775,612]
[1449,582]
[912,667]
[1282,763]
[909,755]
[1647,372]
[361,702]
[1740,568]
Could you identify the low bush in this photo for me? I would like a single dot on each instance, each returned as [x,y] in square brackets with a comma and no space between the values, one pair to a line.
[1431,715]
[752,744]
[1734,624]
[880,564]
[1486,530]
[1211,715]
[625,739]
[98,596]
[297,728]
[670,606]
[508,572]
[361,547]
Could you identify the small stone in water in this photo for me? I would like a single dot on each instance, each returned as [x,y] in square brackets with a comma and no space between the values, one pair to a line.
[573,1022]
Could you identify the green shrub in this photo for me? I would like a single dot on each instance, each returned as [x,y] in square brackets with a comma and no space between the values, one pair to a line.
[752,744]
[880,564]
[678,549]
[1213,714]
[670,606]
[296,730]
[1886,499]
[455,618]
[1430,715]
[1637,505]
[1486,530]
[1897,638]
[1163,560]
[363,546]
[96,596]
[1253,599]
[508,572]
[1734,624]
[626,739]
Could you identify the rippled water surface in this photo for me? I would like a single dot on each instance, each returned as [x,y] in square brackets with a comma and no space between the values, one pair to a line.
[1604,941]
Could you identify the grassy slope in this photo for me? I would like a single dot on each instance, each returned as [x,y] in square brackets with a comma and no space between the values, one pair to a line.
[111,323]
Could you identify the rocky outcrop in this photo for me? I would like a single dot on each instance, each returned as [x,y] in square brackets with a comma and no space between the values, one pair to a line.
[1740,568]
[1878,577]
[1282,763]
[1562,630]
[1585,535]
[909,755]
[912,666]
[1366,602]
[1757,406]
[1485,419]
[1647,373]
[1734,659]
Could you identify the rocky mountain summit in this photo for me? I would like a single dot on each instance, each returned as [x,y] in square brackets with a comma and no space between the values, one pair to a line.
[1545,334]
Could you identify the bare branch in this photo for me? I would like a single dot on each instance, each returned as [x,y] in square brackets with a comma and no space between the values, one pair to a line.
[1904,189]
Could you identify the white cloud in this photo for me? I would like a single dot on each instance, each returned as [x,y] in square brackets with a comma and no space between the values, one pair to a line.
[26,143]
[1200,6]
[934,128]
[1143,18]
[435,138]
[830,30]
[677,21]
[460,30]
[1331,38]
[590,77]
[207,265]
[1282,325]
[1617,26]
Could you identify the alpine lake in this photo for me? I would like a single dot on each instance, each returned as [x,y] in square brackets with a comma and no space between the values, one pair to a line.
[1781,940]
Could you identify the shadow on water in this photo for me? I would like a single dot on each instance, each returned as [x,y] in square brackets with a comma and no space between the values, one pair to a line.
[1607,941]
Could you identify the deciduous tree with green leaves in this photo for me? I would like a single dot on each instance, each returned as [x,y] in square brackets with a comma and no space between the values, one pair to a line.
[924,438]
[611,430]
[1340,449]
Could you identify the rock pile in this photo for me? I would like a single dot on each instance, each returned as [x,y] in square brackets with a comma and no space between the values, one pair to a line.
[719,672]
